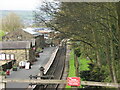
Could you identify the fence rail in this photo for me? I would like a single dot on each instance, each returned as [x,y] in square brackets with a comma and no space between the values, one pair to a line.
[89,83]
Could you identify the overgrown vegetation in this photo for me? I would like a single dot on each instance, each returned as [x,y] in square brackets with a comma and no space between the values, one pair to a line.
[84,64]
[2,33]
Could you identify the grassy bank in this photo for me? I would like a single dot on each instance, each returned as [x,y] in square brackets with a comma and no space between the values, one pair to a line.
[71,67]
[83,66]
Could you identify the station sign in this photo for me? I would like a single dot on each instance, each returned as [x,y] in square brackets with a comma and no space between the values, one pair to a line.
[73,81]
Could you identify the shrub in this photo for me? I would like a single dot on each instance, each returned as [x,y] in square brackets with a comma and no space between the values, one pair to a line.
[38,50]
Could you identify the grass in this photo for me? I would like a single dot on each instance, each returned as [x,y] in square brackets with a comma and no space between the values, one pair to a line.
[2,33]
[71,67]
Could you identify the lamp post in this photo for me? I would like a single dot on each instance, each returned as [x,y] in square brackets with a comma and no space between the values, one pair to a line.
[41,71]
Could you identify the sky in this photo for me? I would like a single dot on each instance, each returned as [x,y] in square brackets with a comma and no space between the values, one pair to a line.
[19,4]
[22,4]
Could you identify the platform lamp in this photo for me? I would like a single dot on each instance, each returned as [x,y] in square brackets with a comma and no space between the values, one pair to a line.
[41,71]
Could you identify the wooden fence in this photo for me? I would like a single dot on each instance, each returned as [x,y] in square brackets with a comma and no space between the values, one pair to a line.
[53,81]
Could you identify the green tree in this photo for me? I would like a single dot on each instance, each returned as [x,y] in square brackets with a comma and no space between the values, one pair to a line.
[96,27]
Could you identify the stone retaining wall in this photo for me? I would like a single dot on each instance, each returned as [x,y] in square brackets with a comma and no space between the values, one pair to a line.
[21,54]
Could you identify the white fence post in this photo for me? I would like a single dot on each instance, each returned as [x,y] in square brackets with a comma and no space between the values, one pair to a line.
[2,84]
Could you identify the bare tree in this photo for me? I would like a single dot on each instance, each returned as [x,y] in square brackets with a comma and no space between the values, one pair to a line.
[11,22]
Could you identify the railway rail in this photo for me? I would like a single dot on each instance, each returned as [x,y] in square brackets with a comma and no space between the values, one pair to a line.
[55,70]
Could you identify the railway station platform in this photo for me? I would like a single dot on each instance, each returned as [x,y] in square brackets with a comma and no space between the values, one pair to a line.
[24,74]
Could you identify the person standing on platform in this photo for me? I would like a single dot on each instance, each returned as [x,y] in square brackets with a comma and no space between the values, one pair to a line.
[27,65]
[22,64]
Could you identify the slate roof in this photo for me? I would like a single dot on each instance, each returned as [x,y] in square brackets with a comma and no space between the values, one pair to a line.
[9,45]
[17,35]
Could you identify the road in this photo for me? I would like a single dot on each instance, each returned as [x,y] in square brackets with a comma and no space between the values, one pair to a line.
[24,74]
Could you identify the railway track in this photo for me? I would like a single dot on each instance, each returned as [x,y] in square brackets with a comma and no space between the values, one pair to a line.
[56,70]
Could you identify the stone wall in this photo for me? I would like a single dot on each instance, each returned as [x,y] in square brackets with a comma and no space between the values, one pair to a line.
[40,42]
[20,54]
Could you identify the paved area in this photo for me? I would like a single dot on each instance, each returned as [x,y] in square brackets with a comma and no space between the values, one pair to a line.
[24,74]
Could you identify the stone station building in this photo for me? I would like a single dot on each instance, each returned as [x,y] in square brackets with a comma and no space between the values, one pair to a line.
[22,50]
[21,35]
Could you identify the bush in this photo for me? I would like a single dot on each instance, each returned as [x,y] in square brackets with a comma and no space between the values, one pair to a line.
[94,74]
[2,73]
[38,50]
[2,33]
